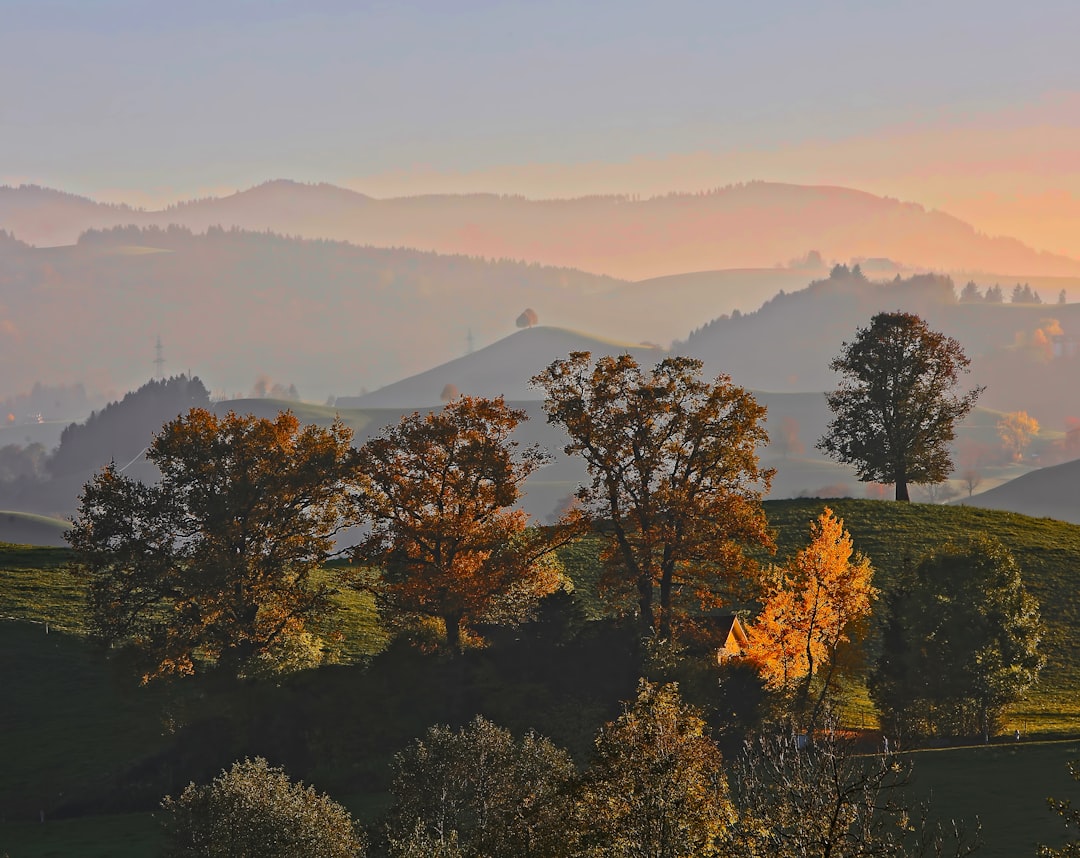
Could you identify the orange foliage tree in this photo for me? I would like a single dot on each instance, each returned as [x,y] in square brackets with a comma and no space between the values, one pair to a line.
[437,490]
[1015,430]
[676,481]
[813,605]
[214,563]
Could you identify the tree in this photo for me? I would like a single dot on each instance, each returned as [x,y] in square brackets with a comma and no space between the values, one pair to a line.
[1062,297]
[214,562]
[994,295]
[450,391]
[1015,430]
[676,480]
[813,605]
[254,811]
[961,642]
[970,293]
[527,319]
[1071,815]
[894,414]
[655,787]
[438,491]
[786,440]
[972,479]
[478,791]
[800,796]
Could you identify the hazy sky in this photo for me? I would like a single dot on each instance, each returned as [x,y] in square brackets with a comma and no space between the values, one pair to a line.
[970,106]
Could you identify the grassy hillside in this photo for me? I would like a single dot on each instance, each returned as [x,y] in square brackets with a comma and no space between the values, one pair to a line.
[1047,550]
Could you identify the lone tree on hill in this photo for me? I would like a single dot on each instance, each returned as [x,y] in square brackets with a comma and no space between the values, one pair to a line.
[894,413]
[527,319]
[214,562]
[676,482]
[438,490]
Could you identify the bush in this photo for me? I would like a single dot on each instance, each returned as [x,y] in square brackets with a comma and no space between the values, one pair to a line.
[254,811]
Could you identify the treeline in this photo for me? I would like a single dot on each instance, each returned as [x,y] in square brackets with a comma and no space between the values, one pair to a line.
[32,478]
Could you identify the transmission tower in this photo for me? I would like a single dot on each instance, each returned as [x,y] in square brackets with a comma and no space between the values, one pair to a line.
[159,360]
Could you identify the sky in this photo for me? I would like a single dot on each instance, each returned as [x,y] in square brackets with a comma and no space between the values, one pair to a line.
[971,107]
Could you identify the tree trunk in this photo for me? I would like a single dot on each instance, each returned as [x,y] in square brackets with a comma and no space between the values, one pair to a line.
[665,605]
[901,489]
[645,600]
[453,631]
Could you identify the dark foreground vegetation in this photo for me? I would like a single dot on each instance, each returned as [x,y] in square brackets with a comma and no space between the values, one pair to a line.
[96,752]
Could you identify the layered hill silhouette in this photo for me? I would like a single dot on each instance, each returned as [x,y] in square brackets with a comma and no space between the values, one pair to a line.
[753,225]
[1026,355]
[330,317]
[1052,492]
[501,369]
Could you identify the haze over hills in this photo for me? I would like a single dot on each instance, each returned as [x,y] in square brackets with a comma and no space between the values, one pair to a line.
[501,369]
[752,225]
[1052,492]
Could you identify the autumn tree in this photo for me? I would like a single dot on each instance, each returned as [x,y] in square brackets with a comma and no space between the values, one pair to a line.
[480,793]
[445,541]
[527,319]
[1016,430]
[655,787]
[214,563]
[786,440]
[894,413]
[676,482]
[813,605]
[961,641]
[254,810]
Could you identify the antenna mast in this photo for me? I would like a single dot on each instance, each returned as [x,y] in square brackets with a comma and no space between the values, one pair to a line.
[159,360]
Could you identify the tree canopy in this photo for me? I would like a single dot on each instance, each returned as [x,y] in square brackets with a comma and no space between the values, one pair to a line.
[478,791]
[961,642]
[676,480]
[438,490]
[894,413]
[656,786]
[214,562]
[254,810]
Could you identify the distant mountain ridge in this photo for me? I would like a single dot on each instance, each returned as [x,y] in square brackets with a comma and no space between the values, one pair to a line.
[752,225]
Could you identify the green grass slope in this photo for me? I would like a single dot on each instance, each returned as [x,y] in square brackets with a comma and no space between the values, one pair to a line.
[1048,552]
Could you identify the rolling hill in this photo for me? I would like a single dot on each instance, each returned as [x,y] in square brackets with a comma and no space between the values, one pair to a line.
[501,369]
[1052,492]
[756,224]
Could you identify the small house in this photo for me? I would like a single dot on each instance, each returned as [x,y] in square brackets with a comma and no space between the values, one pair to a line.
[729,632]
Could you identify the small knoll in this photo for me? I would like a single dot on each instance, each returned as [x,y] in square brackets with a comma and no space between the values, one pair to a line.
[1052,492]
[24,528]
[501,369]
